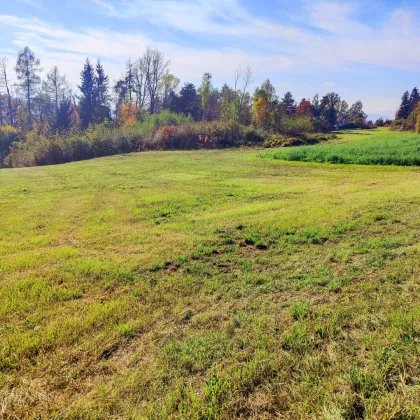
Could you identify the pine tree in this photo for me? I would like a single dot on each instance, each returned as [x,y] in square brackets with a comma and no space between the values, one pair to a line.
[101,110]
[63,119]
[289,104]
[414,99]
[87,101]
[189,101]
[316,106]
[404,109]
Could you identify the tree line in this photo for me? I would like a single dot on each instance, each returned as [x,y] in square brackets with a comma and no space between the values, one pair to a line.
[148,87]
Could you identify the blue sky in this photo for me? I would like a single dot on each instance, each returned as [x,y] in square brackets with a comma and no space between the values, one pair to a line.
[362,50]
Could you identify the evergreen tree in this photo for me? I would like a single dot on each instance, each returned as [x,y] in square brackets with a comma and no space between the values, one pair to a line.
[101,110]
[121,89]
[88,90]
[189,101]
[289,104]
[404,109]
[173,102]
[63,119]
[316,106]
[414,99]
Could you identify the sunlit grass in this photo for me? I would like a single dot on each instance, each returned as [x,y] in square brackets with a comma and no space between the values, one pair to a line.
[373,147]
[209,284]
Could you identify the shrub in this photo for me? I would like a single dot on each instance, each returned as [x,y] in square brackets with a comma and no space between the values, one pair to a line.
[8,136]
[279,140]
[164,131]
[296,126]
[173,137]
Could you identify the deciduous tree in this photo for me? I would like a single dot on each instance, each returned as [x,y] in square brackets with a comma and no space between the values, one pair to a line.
[4,83]
[27,70]
[154,66]
[56,87]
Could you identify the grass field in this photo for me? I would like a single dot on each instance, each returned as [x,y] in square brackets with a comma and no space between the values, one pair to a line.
[209,284]
[373,147]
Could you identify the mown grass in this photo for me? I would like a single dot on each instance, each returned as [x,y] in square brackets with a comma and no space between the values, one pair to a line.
[209,284]
[373,147]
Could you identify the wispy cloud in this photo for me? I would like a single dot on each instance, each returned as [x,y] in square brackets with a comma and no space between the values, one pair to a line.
[324,36]
[38,4]
[332,35]
[70,48]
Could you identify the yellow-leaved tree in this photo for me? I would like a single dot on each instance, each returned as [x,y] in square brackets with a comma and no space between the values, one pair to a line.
[126,114]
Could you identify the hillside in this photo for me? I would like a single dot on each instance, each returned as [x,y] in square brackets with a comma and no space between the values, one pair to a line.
[209,284]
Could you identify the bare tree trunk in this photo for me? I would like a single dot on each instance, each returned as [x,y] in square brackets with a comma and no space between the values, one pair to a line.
[155,67]
[28,97]
[3,65]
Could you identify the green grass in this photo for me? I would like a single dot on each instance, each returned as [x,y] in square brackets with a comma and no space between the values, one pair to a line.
[373,147]
[209,284]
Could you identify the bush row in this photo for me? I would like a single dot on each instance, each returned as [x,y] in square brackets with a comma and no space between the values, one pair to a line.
[40,148]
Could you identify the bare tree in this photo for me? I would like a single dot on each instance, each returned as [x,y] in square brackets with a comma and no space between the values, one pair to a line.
[4,83]
[27,69]
[129,80]
[155,68]
[56,87]
[244,76]
[139,82]
[247,80]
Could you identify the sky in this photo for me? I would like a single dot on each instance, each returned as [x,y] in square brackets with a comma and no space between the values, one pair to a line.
[361,50]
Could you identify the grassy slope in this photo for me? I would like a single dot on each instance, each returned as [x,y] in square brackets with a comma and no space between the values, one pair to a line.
[373,147]
[209,284]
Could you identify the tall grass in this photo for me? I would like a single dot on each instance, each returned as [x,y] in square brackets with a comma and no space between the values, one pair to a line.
[164,131]
[378,147]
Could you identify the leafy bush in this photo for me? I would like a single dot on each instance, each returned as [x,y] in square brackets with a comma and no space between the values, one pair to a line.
[106,139]
[279,140]
[295,126]
[151,123]
[173,137]
[8,136]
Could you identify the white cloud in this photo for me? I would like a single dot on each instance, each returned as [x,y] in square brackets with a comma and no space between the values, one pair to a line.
[33,3]
[56,45]
[328,37]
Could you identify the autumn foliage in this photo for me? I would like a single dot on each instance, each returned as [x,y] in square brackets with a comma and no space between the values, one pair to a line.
[126,114]
[304,108]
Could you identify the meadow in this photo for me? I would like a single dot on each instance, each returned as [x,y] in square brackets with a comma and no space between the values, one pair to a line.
[210,284]
[368,147]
